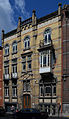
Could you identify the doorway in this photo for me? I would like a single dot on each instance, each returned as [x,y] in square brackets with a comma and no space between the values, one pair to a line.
[26,101]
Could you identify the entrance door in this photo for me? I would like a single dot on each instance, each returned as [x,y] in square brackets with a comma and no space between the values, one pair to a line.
[26,101]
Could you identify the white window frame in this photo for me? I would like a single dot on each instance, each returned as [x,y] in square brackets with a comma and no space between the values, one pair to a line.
[6,70]
[26,40]
[15,68]
[14,47]
[6,92]
[46,34]
[7,50]
[14,89]
[47,55]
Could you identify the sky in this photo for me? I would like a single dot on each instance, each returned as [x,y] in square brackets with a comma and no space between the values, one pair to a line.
[10,10]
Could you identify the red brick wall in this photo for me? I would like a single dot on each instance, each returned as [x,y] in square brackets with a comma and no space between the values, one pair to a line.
[1,78]
[65,60]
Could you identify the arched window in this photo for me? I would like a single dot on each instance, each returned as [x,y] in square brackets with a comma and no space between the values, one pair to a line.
[47,36]
[6,49]
[27,42]
[14,47]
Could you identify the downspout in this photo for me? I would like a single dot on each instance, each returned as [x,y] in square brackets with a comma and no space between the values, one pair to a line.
[61,63]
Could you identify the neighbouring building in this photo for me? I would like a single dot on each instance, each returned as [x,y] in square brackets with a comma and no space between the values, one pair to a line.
[1,77]
[65,58]
[33,62]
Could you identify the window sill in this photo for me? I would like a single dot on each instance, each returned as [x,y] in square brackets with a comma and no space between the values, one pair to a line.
[23,71]
[26,49]
[14,97]
[29,70]
[6,55]
[14,53]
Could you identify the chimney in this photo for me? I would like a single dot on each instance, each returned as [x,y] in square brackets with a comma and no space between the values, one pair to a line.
[34,20]
[19,25]
[59,8]
[2,37]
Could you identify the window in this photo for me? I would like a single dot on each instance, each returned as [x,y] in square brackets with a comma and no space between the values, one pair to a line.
[48,91]
[6,92]
[26,43]
[6,70]
[6,88]
[29,62]
[14,66]
[26,85]
[14,47]
[54,90]
[44,59]
[14,91]
[41,91]
[14,88]
[23,67]
[47,36]
[7,49]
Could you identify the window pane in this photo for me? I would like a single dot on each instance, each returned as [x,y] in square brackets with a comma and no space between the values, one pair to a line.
[45,38]
[49,38]
[48,89]
[44,60]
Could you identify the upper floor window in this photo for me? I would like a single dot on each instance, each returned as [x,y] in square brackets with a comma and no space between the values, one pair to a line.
[44,58]
[14,47]
[47,36]
[27,43]
[6,49]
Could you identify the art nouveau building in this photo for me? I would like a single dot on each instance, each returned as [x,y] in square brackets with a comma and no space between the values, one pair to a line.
[32,63]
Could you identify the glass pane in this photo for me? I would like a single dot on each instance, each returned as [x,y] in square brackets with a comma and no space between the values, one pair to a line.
[45,38]
[49,38]
[44,60]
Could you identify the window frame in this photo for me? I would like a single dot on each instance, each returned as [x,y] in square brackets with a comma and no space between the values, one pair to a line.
[47,34]
[27,42]
[6,49]
[14,47]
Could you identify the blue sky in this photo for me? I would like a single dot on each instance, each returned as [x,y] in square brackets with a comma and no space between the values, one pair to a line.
[10,10]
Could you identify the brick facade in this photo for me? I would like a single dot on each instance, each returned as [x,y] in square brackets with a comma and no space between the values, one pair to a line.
[65,58]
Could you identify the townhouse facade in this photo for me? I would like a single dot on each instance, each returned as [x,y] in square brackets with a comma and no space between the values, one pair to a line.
[1,77]
[32,63]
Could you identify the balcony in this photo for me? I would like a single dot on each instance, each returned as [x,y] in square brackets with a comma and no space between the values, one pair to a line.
[14,75]
[6,76]
[45,70]
[43,45]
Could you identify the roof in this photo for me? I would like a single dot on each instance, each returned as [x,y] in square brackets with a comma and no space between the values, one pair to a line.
[29,20]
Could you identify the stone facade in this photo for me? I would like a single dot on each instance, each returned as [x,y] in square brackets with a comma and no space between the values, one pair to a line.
[32,64]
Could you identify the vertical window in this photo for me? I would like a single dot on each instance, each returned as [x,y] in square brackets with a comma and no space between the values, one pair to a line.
[6,92]
[14,89]
[41,91]
[54,90]
[6,88]
[14,47]
[29,62]
[23,64]
[6,69]
[14,66]
[14,92]
[7,49]
[27,42]
[48,91]
[26,85]
[47,36]
[44,59]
